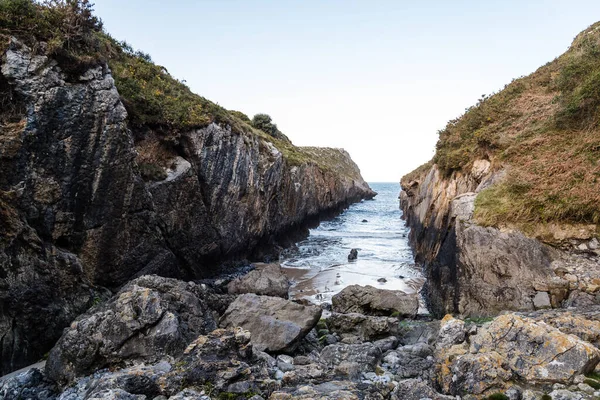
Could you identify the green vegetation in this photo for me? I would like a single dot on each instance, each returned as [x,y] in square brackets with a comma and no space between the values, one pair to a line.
[546,397]
[498,396]
[156,102]
[544,130]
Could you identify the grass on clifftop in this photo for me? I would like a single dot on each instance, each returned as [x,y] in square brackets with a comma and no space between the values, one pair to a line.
[67,31]
[544,129]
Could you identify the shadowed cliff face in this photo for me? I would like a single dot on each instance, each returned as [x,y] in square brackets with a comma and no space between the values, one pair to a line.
[77,216]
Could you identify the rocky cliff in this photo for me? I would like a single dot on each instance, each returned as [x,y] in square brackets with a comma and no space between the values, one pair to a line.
[79,211]
[505,217]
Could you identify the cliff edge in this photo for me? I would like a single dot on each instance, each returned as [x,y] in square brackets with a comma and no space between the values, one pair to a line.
[505,216]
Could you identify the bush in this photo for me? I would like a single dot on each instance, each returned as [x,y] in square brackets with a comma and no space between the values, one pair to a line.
[498,396]
[265,124]
[66,24]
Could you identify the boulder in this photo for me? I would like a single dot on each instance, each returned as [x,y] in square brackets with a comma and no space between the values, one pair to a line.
[353,255]
[367,328]
[149,318]
[276,325]
[452,331]
[372,301]
[266,279]
[514,348]
[221,358]
[366,355]
[416,389]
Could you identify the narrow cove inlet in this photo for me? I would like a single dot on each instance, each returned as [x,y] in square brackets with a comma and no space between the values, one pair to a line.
[318,266]
[159,245]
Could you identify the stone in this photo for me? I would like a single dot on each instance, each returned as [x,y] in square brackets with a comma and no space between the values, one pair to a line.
[149,318]
[452,331]
[541,300]
[516,347]
[367,328]
[353,255]
[222,358]
[368,300]
[30,384]
[416,389]
[412,361]
[562,394]
[266,279]
[277,325]
[366,355]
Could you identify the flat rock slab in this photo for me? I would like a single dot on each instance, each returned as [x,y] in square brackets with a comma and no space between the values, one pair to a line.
[368,300]
[266,279]
[276,325]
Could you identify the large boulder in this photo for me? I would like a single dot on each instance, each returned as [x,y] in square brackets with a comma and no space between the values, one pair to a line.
[514,348]
[276,325]
[149,318]
[367,328]
[266,279]
[372,301]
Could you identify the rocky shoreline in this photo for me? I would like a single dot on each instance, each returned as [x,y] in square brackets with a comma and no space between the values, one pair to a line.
[161,338]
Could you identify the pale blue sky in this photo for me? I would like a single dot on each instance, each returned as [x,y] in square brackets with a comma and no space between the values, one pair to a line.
[378,78]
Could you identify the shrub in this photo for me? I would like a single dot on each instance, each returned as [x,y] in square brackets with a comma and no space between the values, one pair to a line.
[265,124]
[498,396]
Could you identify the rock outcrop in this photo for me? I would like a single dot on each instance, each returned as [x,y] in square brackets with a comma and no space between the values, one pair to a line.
[76,215]
[476,270]
[509,350]
[149,318]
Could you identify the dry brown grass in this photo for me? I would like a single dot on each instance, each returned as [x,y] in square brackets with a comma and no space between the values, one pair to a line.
[544,129]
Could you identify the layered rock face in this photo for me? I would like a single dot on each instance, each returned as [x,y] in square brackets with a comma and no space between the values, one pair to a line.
[76,215]
[475,270]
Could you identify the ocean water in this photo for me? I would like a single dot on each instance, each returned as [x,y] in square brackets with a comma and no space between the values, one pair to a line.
[319,268]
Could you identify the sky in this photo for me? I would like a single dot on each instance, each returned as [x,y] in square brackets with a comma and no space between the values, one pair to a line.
[378,78]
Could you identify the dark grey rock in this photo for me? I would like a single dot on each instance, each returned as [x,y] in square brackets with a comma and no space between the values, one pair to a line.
[366,355]
[353,255]
[149,318]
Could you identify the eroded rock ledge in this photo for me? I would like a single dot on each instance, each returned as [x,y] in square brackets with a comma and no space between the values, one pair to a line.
[76,215]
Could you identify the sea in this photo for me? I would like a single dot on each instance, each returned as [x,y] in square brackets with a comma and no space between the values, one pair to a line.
[319,267]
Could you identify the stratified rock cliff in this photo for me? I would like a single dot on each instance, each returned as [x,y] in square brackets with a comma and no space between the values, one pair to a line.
[76,215]
[505,217]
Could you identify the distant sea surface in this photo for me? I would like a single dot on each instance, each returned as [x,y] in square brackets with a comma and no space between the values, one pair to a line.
[319,268]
